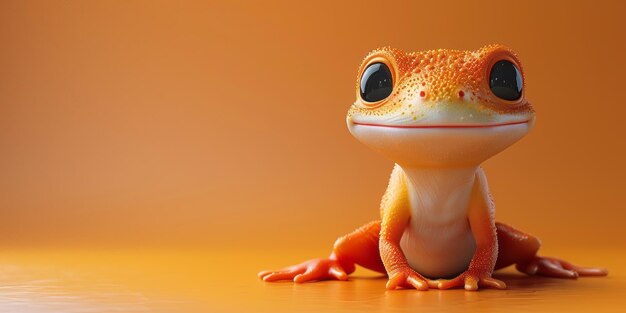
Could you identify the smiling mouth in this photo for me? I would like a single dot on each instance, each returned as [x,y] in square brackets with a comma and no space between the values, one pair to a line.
[442,126]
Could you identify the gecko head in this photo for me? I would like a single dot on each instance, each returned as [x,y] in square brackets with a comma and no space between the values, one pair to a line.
[440,107]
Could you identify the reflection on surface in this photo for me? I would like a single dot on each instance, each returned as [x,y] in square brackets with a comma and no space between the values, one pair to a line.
[225,281]
[36,290]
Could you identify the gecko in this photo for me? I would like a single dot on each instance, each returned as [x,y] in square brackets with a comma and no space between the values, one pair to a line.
[438,115]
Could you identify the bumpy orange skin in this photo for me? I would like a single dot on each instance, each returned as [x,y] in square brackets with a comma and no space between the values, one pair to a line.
[436,76]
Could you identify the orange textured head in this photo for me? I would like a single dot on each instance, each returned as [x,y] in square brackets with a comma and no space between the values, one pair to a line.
[443,87]
[440,107]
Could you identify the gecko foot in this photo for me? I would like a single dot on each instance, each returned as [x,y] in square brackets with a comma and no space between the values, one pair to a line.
[407,278]
[312,270]
[553,267]
[469,281]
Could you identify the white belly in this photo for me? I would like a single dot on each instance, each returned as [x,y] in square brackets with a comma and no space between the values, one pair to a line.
[438,241]
[439,251]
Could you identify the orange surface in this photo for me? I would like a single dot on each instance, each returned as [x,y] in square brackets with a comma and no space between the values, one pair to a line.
[220,126]
[184,280]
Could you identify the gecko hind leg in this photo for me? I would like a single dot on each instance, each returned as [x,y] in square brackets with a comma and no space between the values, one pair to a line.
[519,248]
[359,247]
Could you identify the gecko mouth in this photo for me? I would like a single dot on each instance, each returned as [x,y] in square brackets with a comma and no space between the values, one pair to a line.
[443,126]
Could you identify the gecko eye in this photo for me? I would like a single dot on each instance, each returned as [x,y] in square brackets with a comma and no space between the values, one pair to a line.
[376,82]
[505,81]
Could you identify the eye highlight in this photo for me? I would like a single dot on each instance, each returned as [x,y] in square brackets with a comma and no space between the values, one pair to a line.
[376,82]
[505,80]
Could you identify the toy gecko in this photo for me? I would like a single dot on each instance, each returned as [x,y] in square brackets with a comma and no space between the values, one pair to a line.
[438,115]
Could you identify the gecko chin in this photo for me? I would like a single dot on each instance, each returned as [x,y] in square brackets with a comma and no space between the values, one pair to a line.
[439,145]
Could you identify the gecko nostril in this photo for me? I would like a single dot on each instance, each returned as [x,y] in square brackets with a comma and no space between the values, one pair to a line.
[422,94]
[461,94]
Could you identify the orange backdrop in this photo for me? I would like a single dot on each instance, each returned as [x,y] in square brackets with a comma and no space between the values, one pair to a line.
[167,123]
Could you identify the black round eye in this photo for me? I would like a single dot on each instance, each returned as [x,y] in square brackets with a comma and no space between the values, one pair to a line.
[505,80]
[376,82]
